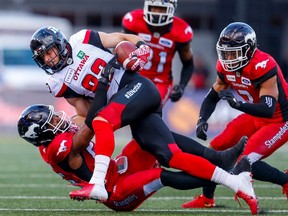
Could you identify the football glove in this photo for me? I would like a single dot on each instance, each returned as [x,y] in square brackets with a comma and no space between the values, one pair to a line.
[108,70]
[142,53]
[229,97]
[176,93]
[201,129]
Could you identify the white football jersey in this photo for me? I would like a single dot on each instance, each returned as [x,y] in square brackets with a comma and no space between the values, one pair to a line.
[83,74]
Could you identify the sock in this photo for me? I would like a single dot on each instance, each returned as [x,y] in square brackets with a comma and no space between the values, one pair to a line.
[100,169]
[264,172]
[104,138]
[208,192]
[192,164]
[222,177]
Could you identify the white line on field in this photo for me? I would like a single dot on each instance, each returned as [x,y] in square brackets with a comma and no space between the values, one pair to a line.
[151,198]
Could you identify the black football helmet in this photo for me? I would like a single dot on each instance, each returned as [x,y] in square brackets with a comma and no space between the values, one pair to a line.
[44,39]
[157,19]
[236,46]
[35,125]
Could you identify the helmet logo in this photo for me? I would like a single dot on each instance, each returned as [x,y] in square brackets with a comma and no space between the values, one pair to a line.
[30,133]
[250,37]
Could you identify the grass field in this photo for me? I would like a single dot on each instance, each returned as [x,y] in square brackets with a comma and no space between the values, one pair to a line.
[29,187]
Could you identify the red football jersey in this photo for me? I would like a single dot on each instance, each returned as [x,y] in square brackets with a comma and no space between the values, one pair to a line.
[163,47]
[247,83]
[59,149]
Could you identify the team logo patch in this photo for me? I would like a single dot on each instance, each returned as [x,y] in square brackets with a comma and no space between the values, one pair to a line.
[166,42]
[231,78]
[245,81]
[62,147]
[81,54]
[188,30]
[262,64]
[69,75]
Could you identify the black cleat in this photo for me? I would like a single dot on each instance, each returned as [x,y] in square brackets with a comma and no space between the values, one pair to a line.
[230,156]
[243,165]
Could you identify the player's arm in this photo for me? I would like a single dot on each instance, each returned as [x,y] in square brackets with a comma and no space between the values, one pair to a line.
[80,104]
[186,57]
[266,106]
[112,39]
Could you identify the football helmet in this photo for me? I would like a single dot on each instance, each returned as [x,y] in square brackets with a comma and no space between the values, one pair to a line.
[44,39]
[35,124]
[157,19]
[236,45]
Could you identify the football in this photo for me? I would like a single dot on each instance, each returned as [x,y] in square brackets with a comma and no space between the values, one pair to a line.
[123,49]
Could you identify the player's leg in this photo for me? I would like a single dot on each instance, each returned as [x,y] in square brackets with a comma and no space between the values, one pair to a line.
[154,136]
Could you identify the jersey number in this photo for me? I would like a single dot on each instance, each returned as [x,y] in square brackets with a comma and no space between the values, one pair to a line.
[160,67]
[90,82]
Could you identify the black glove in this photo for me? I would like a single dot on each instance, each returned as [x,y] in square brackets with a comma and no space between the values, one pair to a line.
[176,93]
[201,129]
[229,97]
[108,70]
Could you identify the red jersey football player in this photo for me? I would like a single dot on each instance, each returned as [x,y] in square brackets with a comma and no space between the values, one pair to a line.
[257,78]
[131,177]
[166,34]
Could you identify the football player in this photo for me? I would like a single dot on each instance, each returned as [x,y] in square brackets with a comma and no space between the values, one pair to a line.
[131,176]
[85,67]
[257,78]
[166,34]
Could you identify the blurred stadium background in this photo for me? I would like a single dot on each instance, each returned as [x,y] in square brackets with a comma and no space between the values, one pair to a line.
[22,83]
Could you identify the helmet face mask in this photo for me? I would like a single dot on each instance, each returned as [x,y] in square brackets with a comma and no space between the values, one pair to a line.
[159,13]
[236,46]
[39,124]
[45,39]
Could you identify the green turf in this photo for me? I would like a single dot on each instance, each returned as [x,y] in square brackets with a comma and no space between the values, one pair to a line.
[29,187]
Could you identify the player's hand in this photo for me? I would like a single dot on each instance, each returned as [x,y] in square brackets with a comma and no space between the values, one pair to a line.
[201,129]
[142,53]
[176,93]
[229,97]
[108,70]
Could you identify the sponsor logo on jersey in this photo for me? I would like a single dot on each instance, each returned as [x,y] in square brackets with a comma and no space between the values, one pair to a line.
[245,81]
[81,64]
[81,54]
[278,136]
[62,147]
[131,92]
[69,76]
[145,37]
[165,42]
[126,201]
[231,78]
[262,64]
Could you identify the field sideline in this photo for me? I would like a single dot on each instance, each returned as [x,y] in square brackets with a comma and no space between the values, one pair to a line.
[29,187]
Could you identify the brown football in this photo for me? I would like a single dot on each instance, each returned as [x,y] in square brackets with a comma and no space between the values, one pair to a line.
[123,49]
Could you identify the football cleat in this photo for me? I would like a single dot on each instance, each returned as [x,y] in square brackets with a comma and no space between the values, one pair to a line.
[90,191]
[246,192]
[230,156]
[200,201]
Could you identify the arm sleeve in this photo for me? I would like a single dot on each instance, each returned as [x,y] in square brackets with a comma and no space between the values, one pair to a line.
[208,105]
[265,108]
[186,72]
